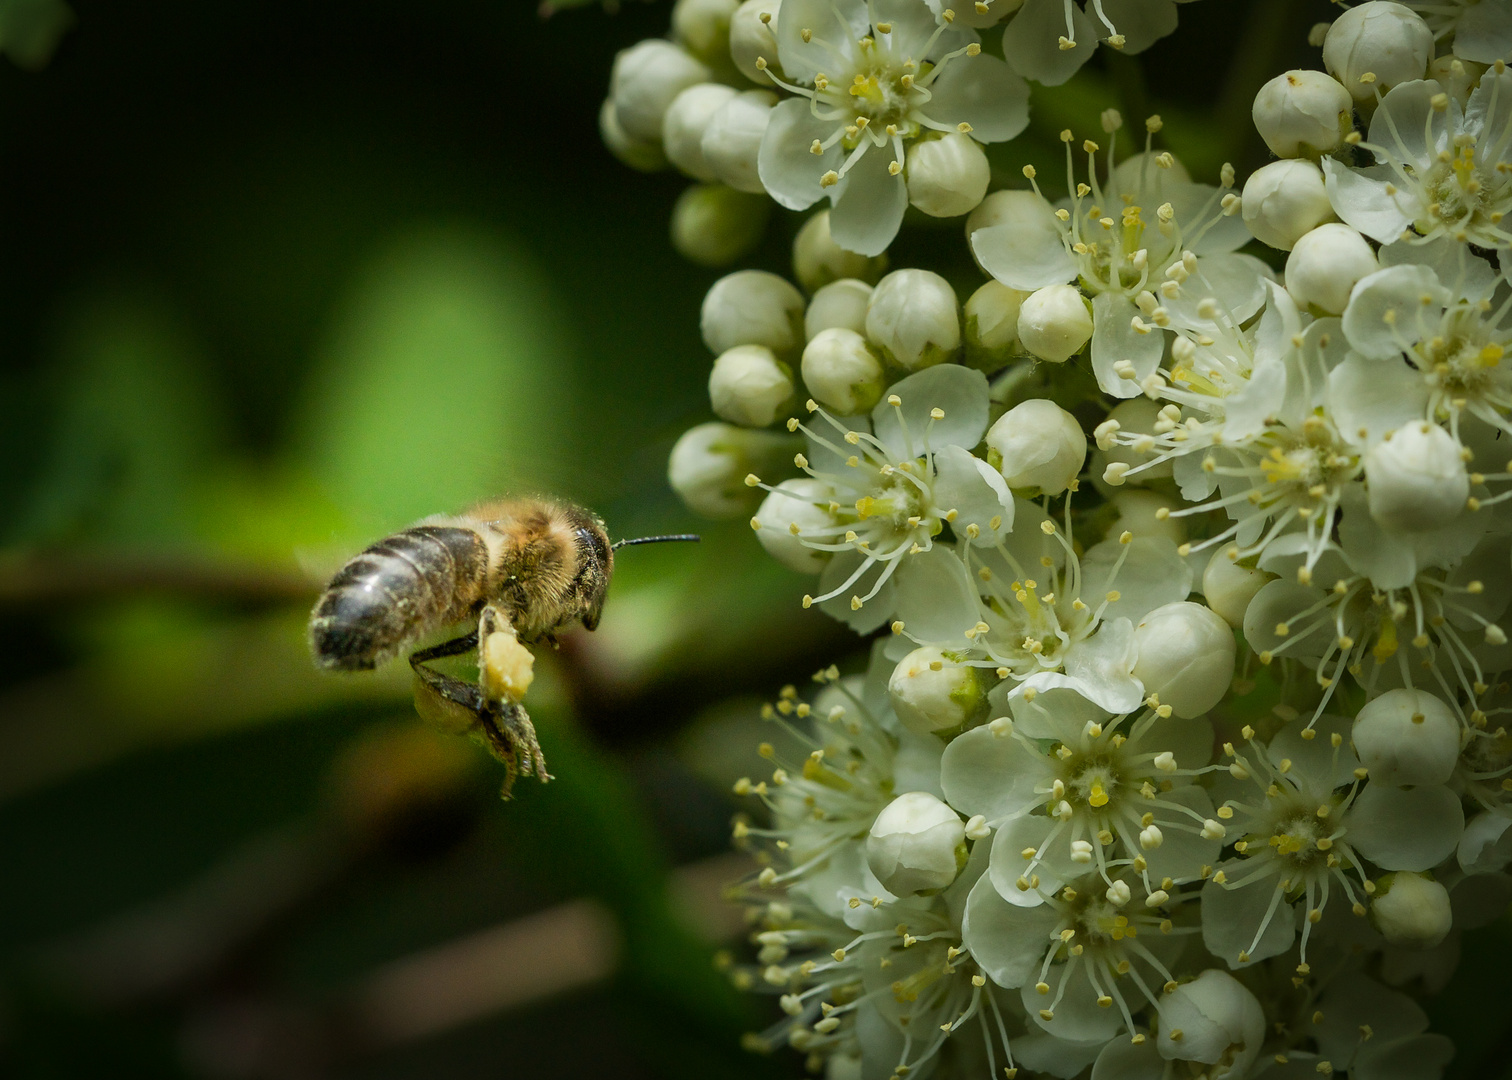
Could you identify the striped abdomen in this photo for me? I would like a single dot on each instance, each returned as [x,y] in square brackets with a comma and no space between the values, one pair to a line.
[396,591]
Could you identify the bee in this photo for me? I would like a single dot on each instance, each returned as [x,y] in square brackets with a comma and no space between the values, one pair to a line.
[521,570]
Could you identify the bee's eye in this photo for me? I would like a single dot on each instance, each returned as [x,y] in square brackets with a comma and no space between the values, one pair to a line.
[594,542]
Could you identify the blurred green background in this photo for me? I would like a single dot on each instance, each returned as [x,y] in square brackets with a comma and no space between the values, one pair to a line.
[279,278]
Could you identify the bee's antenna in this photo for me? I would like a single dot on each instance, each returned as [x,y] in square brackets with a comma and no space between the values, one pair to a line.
[693,537]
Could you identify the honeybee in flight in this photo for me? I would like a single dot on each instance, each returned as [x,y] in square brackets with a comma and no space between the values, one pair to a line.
[523,569]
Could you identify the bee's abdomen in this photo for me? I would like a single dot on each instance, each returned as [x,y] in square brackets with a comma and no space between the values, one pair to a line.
[396,591]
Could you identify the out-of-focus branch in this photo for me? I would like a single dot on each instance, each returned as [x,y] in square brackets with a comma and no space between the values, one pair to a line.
[33,579]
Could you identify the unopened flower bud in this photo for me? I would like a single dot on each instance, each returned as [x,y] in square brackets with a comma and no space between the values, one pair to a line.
[1416,478]
[914,319]
[753,37]
[1411,910]
[1055,322]
[684,124]
[1285,200]
[1324,266]
[709,463]
[1213,1018]
[702,27]
[1186,655]
[842,373]
[947,176]
[1374,46]
[818,260]
[992,325]
[1228,587]
[930,692]
[840,304]
[644,80]
[733,136]
[753,307]
[1037,445]
[917,844]
[1407,737]
[801,503]
[750,386]
[1302,113]
[713,225]
[644,155]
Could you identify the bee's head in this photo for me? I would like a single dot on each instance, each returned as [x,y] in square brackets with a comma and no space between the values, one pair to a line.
[595,566]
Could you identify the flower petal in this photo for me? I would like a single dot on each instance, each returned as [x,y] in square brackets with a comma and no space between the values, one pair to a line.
[1232,918]
[869,205]
[787,168]
[1392,309]
[1015,837]
[835,25]
[959,392]
[1141,23]
[976,491]
[1078,1017]
[1007,941]
[1031,41]
[1114,338]
[981,91]
[1368,200]
[1407,124]
[1405,828]
[1027,253]
[935,598]
[1152,575]
[990,774]
[1368,398]
[1484,33]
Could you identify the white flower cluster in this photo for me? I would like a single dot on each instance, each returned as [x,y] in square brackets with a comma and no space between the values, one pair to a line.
[877,105]
[1182,748]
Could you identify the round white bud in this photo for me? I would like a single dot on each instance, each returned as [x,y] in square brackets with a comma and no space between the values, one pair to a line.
[733,136]
[1228,587]
[753,37]
[801,503]
[842,373]
[1008,207]
[644,80]
[750,386]
[1139,512]
[1407,737]
[1037,445]
[1302,113]
[1285,200]
[684,124]
[644,155]
[1211,1019]
[917,844]
[709,463]
[914,319]
[818,260]
[1411,910]
[930,692]
[753,307]
[1136,416]
[840,304]
[702,27]
[1416,478]
[713,225]
[1055,322]
[992,325]
[947,176]
[1324,266]
[1374,46]
[1186,655]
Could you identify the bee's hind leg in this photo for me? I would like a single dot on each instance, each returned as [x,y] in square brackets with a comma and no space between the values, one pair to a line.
[506,669]
[459,707]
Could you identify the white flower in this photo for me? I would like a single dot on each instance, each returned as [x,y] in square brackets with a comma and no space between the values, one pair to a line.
[1186,657]
[1302,113]
[792,507]
[1407,737]
[645,79]
[1054,323]
[894,487]
[1416,478]
[819,261]
[1049,40]
[932,692]
[749,386]
[1324,266]
[1228,586]
[752,39]
[1037,446]
[1411,909]
[1443,170]
[841,304]
[913,317]
[732,139]
[753,307]
[991,315]
[917,844]
[709,463]
[1397,1043]
[1214,1020]
[1071,790]
[841,371]
[948,176]
[870,78]
[1375,46]
[1285,200]
[684,124]
[1122,240]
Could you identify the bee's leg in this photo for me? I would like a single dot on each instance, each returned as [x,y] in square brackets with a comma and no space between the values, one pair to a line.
[458,706]
[505,671]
